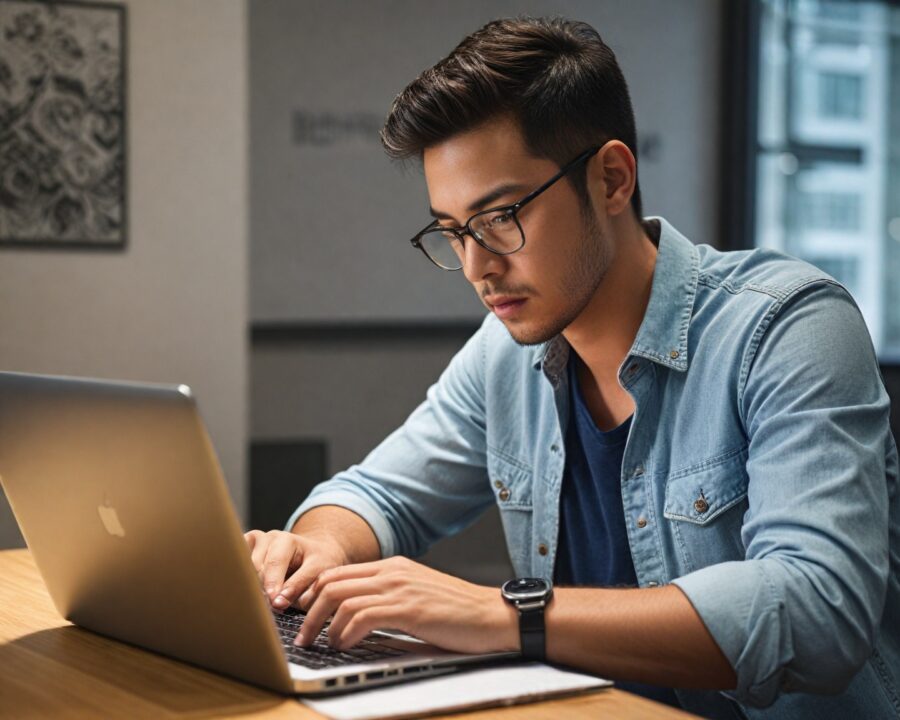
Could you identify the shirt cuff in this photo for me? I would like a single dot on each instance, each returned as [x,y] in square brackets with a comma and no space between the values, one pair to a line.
[745,616]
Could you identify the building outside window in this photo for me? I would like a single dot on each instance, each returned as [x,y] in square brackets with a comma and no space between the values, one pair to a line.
[827,150]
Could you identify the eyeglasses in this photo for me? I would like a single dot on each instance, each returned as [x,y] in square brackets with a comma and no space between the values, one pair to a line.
[496,229]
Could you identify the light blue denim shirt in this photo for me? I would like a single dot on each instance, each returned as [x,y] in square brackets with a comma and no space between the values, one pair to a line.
[759,476]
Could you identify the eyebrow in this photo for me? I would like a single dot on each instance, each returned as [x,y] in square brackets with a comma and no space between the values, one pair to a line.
[483,201]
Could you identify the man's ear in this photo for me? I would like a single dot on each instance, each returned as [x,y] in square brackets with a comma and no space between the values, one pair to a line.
[611,177]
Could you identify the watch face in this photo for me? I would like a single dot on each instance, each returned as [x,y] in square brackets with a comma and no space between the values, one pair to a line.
[525,589]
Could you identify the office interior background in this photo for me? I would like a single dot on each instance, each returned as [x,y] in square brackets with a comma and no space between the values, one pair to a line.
[267,262]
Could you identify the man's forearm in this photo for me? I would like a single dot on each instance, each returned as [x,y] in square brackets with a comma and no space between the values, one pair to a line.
[343,526]
[645,635]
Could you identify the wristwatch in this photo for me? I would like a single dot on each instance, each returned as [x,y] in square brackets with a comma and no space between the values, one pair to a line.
[530,596]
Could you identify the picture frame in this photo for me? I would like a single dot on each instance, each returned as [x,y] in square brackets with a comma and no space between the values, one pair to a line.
[63,129]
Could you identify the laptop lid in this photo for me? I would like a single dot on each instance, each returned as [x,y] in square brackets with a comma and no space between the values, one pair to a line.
[119,495]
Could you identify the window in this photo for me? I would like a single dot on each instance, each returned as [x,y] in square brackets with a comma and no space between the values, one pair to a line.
[830,211]
[825,146]
[840,95]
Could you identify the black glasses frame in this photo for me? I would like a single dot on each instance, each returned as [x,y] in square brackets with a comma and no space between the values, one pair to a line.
[512,210]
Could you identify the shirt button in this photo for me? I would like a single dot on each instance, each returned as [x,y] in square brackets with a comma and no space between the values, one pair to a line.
[504,494]
[542,549]
[632,369]
[498,484]
[642,522]
[653,583]
[700,505]
[674,354]
[554,448]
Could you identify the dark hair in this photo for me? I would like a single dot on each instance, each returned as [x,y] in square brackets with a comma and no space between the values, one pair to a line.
[555,77]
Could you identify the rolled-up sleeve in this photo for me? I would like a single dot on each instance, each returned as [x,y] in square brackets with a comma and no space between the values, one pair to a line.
[428,479]
[801,611]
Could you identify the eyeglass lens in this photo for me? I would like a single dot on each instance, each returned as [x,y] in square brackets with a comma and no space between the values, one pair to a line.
[496,230]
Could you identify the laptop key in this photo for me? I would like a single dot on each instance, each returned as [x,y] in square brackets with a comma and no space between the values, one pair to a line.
[320,654]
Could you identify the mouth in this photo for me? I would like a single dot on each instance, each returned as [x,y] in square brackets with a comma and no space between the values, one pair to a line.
[505,306]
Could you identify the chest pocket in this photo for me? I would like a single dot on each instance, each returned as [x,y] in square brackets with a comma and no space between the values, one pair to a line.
[511,482]
[705,505]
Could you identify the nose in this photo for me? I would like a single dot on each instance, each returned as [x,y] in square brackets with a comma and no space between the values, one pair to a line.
[480,263]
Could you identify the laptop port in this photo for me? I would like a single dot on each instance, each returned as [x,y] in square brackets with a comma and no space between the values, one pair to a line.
[377,675]
[351,679]
[332,682]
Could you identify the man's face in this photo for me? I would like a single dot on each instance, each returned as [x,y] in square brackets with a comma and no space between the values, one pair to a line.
[540,290]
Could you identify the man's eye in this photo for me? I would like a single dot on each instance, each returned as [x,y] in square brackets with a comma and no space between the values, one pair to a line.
[500,222]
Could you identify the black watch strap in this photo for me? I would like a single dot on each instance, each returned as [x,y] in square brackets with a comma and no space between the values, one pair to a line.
[530,597]
[532,634]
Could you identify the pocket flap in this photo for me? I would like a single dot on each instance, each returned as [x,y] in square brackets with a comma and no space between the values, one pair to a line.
[511,481]
[701,493]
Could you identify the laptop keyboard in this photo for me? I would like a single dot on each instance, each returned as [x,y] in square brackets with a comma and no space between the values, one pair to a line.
[319,655]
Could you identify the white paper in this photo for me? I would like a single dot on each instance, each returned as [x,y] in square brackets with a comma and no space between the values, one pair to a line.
[487,687]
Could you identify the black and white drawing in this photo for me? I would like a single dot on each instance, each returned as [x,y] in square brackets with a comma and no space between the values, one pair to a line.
[62,124]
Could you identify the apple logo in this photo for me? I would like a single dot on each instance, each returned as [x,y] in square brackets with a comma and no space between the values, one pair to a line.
[110,518]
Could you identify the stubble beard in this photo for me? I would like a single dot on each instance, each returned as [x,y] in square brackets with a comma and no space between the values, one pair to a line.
[584,276]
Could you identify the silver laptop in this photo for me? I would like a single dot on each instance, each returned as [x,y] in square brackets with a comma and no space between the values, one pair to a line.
[119,495]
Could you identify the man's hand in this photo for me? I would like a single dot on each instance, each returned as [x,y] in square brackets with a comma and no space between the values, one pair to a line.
[322,538]
[400,594]
[287,563]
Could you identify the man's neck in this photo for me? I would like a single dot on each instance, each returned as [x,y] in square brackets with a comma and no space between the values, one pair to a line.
[604,333]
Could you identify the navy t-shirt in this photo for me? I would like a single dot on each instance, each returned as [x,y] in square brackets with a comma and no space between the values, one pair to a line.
[593,545]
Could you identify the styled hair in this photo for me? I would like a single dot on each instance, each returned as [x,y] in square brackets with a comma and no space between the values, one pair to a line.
[555,77]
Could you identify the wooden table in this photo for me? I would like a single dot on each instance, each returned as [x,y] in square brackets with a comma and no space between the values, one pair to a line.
[48,667]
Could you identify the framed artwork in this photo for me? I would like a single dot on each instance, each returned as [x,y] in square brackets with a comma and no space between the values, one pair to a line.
[62,124]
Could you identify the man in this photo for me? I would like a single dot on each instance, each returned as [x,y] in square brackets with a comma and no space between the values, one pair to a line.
[708,430]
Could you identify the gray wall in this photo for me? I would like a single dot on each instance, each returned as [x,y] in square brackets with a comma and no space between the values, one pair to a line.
[173,306]
[316,265]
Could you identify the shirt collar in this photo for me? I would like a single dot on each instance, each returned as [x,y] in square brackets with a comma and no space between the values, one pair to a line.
[663,334]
